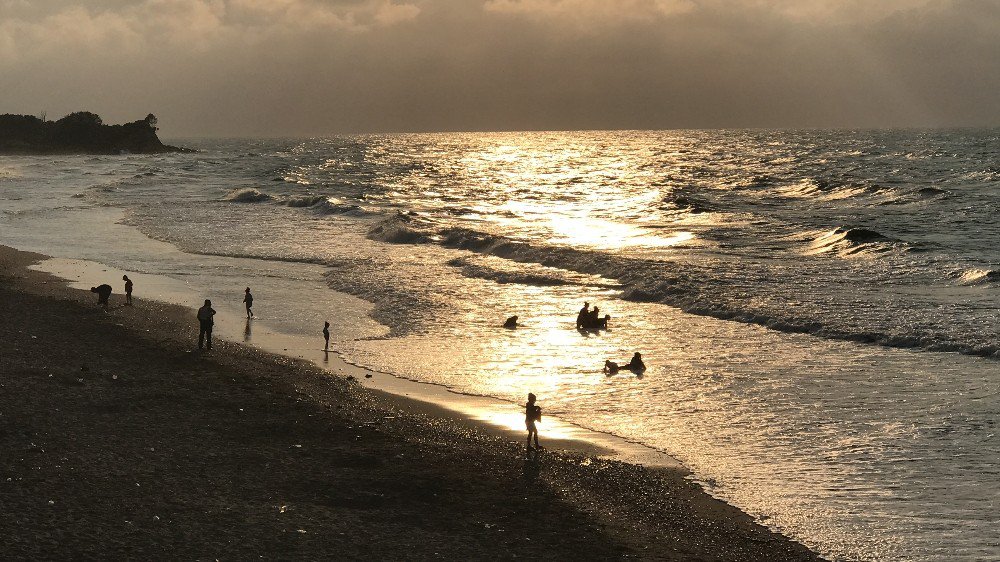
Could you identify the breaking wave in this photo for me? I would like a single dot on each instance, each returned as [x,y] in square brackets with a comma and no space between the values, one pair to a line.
[852,241]
[247,195]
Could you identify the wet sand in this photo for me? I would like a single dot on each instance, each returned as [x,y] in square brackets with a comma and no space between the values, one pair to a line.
[121,440]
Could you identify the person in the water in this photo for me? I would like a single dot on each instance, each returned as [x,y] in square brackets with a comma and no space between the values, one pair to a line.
[511,322]
[635,365]
[581,318]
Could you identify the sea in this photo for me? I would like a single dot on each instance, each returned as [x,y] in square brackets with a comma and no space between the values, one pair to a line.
[817,308]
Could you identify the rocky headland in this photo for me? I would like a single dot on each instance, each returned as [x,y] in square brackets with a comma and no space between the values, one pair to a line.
[79,133]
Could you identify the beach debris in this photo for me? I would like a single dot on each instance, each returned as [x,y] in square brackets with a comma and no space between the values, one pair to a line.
[156,518]
[52,502]
[297,446]
[301,531]
[368,376]
[282,509]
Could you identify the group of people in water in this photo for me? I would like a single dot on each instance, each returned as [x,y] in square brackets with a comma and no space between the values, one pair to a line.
[586,320]
[591,319]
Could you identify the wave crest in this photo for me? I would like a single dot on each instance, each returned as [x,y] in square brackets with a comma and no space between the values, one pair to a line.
[246,195]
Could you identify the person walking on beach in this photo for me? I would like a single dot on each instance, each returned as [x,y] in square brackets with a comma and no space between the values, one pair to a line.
[206,322]
[326,334]
[103,294]
[128,290]
[248,299]
[532,414]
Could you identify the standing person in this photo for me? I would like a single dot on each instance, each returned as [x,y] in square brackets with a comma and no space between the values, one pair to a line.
[103,294]
[532,414]
[206,322]
[248,299]
[581,318]
[128,290]
[326,334]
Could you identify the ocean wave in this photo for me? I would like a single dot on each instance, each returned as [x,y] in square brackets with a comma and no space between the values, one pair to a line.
[247,195]
[682,201]
[480,271]
[401,228]
[852,241]
[978,276]
[649,281]
[304,200]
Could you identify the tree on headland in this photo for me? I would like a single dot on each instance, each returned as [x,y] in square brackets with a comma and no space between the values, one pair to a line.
[151,120]
[81,119]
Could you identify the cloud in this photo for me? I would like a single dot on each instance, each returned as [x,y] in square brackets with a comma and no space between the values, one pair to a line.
[321,66]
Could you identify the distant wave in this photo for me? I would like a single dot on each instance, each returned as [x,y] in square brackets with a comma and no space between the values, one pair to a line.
[401,228]
[480,271]
[978,276]
[304,200]
[246,195]
[681,200]
[851,241]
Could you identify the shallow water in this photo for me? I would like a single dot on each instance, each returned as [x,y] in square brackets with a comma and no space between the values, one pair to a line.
[846,405]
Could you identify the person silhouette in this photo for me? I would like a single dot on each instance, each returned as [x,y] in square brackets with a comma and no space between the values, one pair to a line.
[581,318]
[128,290]
[635,365]
[206,322]
[248,300]
[326,334]
[610,367]
[532,414]
[103,294]
[511,322]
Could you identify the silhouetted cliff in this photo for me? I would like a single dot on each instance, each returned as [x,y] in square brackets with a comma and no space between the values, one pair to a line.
[79,133]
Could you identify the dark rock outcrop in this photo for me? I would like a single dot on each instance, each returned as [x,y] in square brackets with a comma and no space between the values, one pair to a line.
[79,133]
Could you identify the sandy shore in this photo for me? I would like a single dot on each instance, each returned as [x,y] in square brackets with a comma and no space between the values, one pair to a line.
[121,442]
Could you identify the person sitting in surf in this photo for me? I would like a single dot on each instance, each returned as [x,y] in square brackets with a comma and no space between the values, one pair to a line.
[610,367]
[581,318]
[635,365]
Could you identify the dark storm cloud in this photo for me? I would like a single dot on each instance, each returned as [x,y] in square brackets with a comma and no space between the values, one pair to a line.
[313,66]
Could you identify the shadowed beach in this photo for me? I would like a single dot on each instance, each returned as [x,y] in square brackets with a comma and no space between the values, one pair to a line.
[122,442]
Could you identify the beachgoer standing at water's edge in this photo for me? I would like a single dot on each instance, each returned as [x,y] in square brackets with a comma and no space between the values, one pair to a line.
[532,414]
[206,321]
[326,334]
[248,300]
[128,290]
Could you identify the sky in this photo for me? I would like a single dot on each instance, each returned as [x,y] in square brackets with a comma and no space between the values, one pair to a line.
[314,67]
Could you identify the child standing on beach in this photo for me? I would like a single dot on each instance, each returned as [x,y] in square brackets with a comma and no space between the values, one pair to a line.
[248,300]
[128,290]
[532,414]
[326,334]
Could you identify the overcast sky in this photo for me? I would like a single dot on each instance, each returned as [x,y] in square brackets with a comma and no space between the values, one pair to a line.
[293,67]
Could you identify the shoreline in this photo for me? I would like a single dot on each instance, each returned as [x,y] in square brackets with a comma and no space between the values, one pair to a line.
[487,413]
[579,503]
